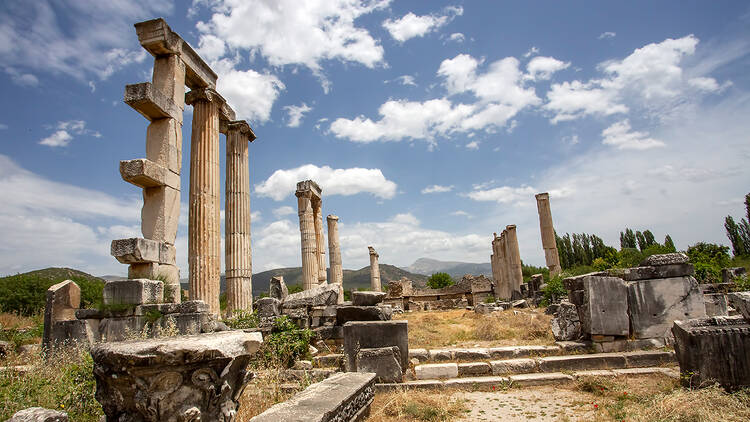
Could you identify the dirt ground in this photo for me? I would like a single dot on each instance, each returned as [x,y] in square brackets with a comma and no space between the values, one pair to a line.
[545,403]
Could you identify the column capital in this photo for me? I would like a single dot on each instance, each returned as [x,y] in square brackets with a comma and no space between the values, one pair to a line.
[210,95]
[332,217]
[510,227]
[309,186]
[372,251]
[242,127]
[543,195]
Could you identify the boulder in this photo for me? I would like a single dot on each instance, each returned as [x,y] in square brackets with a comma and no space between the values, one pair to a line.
[655,304]
[317,296]
[268,307]
[741,302]
[665,259]
[277,288]
[367,298]
[374,334]
[39,414]
[385,362]
[345,314]
[566,325]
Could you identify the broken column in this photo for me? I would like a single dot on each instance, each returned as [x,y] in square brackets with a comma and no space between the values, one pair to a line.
[321,241]
[308,197]
[515,269]
[374,270]
[334,254]
[204,236]
[237,243]
[548,234]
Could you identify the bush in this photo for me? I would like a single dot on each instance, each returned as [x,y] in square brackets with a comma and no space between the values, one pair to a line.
[600,264]
[285,344]
[629,257]
[242,319]
[554,290]
[708,259]
[27,294]
[439,280]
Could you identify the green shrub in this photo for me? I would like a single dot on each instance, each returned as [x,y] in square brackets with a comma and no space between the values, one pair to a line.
[285,344]
[600,264]
[554,290]
[439,280]
[629,257]
[242,319]
[708,259]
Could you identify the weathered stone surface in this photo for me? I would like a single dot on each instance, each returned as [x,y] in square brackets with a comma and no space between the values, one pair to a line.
[521,303]
[171,379]
[187,307]
[728,275]
[383,361]
[474,368]
[268,307]
[513,366]
[371,334]
[367,298]
[136,250]
[582,362]
[71,333]
[39,414]
[341,397]
[436,371]
[658,271]
[714,349]
[333,332]
[62,301]
[605,306]
[741,302]
[642,359]
[566,325]
[345,314]
[655,304]
[421,355]
[440,355]
[120,328]
[150,102]
[470,354]
[576,282]
[145,173]
[506,352]
[716,304]
[329,361]
[540,379]
[665,259]
[133,292]
[317,296]
[277,289]
[487,308]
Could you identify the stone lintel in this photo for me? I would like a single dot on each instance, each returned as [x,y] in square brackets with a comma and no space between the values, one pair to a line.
[151,102]
[158,39]
[243,127]
[145,173]
[308,186]
[226,113]
[142,251]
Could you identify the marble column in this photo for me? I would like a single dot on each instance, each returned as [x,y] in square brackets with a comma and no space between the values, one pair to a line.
[238,256]
[320,241]
[515,268]
[374,270]
[548,234]
[309,240]
[334,254]
[204,236]
[505,289]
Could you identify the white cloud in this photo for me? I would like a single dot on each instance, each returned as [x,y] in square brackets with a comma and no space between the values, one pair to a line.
[406,80]
[457,37]
[571,140]
[462,213]
[411,25]
[296,113]
[83,39]
[351,181]
[473,145]
[437,189]
[542,68]
[532,52]
[249,93]
[406,219]
[503,194]
[283,211]
[62,136]
[607,34]
[22,79]
[620,136]
[211,47]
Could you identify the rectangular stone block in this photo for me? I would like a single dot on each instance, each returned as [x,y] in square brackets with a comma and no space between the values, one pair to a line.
[659,271]
[164,144]
[135,250]
[160,214]
[150,102]
[345,314]
[148,270]
[133,292]
[474,368]
[514,366]
[318,296]
[335,332]
[716,304]
[383,361]
[655,304]
[62,300]
[582,362]
[145,173]
[741,302]
[642,359]
[605,307]
[436,371]
[370,334]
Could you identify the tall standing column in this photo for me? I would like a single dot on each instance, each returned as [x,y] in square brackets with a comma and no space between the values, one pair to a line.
[549,243]
[238,256]
[334,255]
[374,270]
[505,288]
[309,241]
[204,236]
[321,241]
[516,270]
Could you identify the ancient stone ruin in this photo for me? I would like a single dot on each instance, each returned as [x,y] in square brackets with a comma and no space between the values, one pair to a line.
[470,291]
[549,243]
[334,255]
[374,270]
[311,231]
[506,264]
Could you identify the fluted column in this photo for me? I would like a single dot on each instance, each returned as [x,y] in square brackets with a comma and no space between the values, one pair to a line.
[551,256]
[321,241]
[504,287]
[309,241]
[374,270]
[515,268]
[334,255]
[238,256]
[204,236]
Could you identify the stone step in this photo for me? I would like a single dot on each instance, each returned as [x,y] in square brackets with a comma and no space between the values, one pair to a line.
[524,380]
[482,353]
[506,367]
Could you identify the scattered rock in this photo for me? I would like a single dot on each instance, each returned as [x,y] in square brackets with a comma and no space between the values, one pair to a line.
[302,364]
[741,302]
[39,414]
[268,307]
[317,296]
[521,303]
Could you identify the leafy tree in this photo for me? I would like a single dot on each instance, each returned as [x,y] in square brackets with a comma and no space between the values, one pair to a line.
[708,259]
[739,233]
[641,240]
[649,239]
[629,257]
[439,280]
[627,239]
[669,244]
[26,294]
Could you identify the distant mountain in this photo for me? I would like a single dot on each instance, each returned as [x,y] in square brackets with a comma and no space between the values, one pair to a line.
[353,279]
[55,273]
[456,269]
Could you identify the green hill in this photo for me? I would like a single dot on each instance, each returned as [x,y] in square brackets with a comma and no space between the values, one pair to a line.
[26,293]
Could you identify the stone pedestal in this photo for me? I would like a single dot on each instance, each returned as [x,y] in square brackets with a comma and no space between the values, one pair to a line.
[549,242]
[374,270]
[237,245]
[184,378]
[334,254]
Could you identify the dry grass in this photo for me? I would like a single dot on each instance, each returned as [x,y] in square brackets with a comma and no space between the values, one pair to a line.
[267,388]
[464,328]
[10,320]
[413,405]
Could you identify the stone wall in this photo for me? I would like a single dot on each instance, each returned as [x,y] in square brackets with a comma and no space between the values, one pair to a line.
[469,291]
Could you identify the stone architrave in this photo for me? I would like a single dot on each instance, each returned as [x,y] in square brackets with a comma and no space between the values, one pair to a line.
[204,236]
[374,270]
[237,243]
[549,243]
[334,254]
[62,301]
[308,200]
[515,269]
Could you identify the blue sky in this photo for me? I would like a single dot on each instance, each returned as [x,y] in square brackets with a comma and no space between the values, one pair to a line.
[429,125]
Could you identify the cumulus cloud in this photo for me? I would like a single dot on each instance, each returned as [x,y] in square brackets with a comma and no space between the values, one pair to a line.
[457,37]
[296,113]
[351,181]
[406,80]
[65,131]
[462,213]
[411,25]
[473,145]
[437,189]
[542,68]
[503,194]
[283,211]
[20,78]
[251,94]
[620,136]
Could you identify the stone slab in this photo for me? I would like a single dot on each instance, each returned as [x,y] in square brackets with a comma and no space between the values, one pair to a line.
[440,355]
[38,414]
[317,296]
[508,352]
[716,304]
[421,355]
[383,361]
[477,382]
[582,362]
[666,259]
[655,304]
[136,250]
[333,332]
[595,373]
[371,334]
[540,379]
[514,366]
[643,371]
[436,371]
[642,359]
[133,292]
[605,307]
[345,314]
[741,302]
[474,368]
[660,271]
[471,354]
[329,361]
[150,102]
[367,298]
[145,173]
